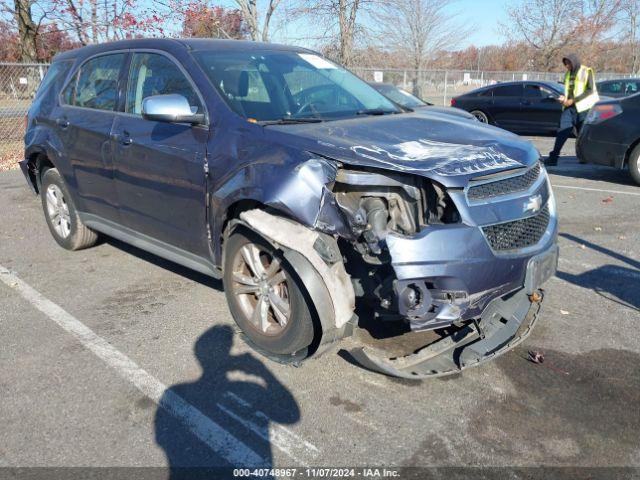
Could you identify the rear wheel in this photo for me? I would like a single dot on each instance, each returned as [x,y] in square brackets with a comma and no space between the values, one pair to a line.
[634,164]
[480,116]
[264,296]
[62,218]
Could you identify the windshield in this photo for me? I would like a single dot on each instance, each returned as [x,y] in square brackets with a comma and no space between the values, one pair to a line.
[401,97]
[275,85]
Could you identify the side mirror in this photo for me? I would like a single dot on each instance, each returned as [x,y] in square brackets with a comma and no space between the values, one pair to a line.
[172,108]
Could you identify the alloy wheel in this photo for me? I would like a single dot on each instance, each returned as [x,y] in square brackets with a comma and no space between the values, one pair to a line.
[58,211]
[262,289]
[480,116]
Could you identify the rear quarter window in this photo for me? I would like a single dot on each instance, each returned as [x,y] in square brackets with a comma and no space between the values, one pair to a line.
[56,74]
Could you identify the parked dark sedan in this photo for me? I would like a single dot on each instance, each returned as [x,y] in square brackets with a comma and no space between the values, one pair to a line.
[305,190]
[528,107]
[399,96]
[619,88]
[409,101]
[611,135]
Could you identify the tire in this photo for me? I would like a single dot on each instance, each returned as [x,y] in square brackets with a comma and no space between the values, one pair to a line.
[480,116]
[61,215]
[284,324]
[634,164]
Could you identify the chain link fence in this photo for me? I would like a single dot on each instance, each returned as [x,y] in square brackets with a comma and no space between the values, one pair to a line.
[19,83]
[439,86]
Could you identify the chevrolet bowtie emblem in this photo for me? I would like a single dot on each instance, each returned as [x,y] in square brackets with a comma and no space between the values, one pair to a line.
[533,204]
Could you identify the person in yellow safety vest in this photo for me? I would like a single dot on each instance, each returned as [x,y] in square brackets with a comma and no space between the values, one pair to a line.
[580,94]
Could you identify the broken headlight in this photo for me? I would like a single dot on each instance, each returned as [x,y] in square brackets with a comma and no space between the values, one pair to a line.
[376,202]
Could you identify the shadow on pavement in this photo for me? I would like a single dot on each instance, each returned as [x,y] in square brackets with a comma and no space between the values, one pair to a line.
[244,404]
[614,282]
[604,250]
[165,264]
[570,168]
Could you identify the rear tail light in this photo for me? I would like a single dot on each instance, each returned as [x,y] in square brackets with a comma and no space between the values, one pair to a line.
[600,113]
[453,102]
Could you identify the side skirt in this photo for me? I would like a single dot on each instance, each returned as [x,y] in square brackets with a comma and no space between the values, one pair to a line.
[151,245]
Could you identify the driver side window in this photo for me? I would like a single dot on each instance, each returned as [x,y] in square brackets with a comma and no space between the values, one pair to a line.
[154,74]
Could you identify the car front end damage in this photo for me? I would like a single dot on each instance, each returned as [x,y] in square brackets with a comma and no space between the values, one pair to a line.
[463,263]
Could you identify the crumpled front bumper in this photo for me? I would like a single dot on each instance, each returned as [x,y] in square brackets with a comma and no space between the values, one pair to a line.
[453,269]
[504,323]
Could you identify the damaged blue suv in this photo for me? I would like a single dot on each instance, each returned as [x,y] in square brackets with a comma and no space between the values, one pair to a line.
[327,210]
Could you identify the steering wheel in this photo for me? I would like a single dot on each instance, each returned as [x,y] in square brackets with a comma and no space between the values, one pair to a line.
[304,107]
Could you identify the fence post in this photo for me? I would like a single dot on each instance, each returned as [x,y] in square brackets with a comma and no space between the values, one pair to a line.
[444,99]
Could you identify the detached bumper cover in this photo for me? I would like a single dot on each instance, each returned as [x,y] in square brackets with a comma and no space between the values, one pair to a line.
[24,167]
[503,324]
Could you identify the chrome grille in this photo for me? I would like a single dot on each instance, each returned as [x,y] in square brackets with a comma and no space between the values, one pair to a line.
[519,233]
[506,186]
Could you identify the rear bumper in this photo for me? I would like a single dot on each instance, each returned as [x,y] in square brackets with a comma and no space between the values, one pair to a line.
[598,152]
[504,323]
[24,167]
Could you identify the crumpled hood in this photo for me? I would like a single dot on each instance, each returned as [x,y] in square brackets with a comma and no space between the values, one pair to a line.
[443,147]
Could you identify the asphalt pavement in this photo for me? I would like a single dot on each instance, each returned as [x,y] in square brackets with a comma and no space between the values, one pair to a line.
[114,357]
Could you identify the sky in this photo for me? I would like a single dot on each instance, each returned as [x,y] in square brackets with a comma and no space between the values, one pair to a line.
[483,15]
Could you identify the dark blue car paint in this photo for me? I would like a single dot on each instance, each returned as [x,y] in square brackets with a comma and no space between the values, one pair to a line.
[176,183]
[611,141]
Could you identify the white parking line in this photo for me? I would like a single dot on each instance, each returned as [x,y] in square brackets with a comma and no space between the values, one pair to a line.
[283,431]
[217,438]
[621,192]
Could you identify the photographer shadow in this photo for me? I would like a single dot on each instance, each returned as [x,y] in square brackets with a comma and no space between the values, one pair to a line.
[236,414]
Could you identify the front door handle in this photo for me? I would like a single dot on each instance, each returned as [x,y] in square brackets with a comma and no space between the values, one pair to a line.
[124,138]
[62,122]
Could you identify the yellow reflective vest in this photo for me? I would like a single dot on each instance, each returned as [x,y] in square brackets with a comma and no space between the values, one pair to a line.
[579,86]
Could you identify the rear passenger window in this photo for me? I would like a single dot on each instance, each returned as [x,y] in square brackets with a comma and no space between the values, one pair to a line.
[630,88]
[613,87]
[508,91]
[96,84]
[154,74]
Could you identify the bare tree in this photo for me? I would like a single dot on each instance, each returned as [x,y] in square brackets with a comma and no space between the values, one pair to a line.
[340,20]
[27,30]
[550,27]
[259,31]
[630,19]
[421,29]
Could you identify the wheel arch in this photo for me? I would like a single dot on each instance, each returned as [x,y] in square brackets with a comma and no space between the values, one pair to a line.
[628,153]
[37,162]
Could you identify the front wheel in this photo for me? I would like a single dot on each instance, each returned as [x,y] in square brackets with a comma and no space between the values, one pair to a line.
[480,116]
[265,296]
[634,164]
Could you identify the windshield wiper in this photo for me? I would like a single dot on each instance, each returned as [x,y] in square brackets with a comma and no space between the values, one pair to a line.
[375,111]
[291,120]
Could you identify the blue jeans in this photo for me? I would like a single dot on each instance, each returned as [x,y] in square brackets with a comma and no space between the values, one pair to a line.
[569,119]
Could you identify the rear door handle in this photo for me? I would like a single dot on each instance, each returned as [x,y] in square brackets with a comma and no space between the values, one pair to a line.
[62,122]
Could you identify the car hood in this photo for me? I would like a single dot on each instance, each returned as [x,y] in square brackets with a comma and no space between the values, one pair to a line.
[440,146]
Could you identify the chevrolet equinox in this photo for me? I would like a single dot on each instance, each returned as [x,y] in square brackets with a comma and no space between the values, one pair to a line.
[327,210]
